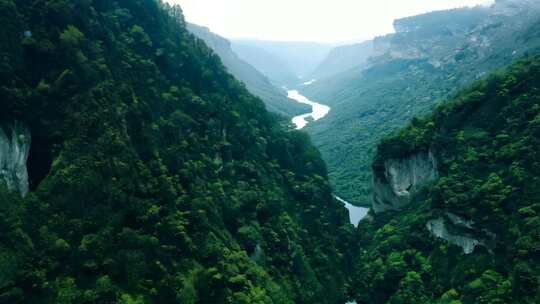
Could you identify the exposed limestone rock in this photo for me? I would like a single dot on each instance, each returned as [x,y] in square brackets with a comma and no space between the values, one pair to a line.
[393,188]
[439,228]
[461,232]
[459,221]
[257,253]
[14,150]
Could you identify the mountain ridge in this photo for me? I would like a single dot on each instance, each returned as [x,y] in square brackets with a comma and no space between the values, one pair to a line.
[275,98]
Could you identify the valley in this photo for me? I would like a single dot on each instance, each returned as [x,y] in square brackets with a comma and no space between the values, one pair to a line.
[145,159]
[365,94]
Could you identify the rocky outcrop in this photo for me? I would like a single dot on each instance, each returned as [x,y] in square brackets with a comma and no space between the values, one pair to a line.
[394,188]
[14,150]
[460,232]
[439,228]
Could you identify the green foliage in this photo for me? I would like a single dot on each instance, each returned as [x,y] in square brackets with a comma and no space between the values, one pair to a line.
[155,176]
[71,36]
[484,142]
[411,290]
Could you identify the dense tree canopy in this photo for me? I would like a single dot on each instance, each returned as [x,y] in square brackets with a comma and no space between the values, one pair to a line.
[485,142]
[155,176]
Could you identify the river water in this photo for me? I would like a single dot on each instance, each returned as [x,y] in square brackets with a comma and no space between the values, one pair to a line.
[356,214]
[318,111]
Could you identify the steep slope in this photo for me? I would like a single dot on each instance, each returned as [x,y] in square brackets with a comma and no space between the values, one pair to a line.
[275,99]
[154,176]
[268,64]
[344,58]
[470,233]
[300,57]
[425,61]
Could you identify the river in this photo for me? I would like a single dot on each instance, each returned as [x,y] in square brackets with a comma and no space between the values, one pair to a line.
[319,111]
[356,214]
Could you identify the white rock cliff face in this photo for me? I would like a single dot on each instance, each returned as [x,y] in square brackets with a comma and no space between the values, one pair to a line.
[439,228]
[395,187]
[14,150]
[461,232]
[402,178]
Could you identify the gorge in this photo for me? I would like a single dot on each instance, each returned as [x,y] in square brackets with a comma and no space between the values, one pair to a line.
[147,160]
[356,214]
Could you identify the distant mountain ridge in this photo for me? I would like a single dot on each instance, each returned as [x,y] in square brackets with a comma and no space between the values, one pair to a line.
[300,58]
[270,65]
[344,58]
[258,84]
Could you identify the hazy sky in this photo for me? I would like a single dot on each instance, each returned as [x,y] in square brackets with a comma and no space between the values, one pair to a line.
[308,20]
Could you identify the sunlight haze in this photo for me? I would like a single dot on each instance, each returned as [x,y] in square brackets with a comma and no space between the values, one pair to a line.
[307,20]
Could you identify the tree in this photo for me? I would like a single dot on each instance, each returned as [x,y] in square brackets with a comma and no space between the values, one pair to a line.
[71,36]
[411,290]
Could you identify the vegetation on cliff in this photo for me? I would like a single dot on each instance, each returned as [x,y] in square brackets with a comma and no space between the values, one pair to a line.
[485,141]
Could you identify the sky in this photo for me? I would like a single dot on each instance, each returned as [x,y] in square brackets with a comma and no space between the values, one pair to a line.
[330,21]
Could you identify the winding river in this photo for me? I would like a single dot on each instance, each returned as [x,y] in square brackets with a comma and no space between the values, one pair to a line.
[318,111]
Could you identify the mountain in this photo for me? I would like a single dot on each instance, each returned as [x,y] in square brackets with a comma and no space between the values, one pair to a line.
[344,58]
[456,195]
[273,67]
[427,60]
[135,169]
[275,99]
[300,57]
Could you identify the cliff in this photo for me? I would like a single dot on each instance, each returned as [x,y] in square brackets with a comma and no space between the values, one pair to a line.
[394,187]
[15,142]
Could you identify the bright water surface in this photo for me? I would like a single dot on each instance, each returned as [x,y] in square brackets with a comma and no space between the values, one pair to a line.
[318,110]
[356,214]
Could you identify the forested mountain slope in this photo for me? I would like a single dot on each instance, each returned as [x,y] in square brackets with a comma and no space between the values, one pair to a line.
[428,59]
[136,170]
[275,98]
[470,232]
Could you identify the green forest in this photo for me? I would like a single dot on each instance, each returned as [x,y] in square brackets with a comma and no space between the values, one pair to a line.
[136,169]
[155,177]
[485,142]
